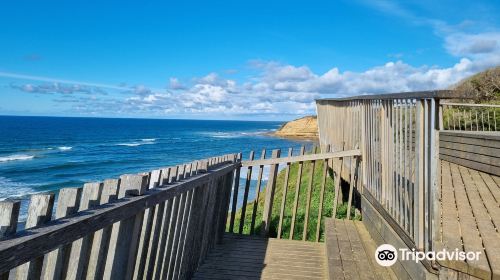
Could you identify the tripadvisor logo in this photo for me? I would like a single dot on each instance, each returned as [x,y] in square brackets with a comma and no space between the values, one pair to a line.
[387,255]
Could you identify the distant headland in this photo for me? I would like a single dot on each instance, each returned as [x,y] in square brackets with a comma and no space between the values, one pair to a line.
[305,127]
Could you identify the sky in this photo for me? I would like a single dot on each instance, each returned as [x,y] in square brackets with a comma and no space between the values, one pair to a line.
[241,60]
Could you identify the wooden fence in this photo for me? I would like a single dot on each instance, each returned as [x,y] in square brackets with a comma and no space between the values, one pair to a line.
[156,225]
[397,135]
[267,216]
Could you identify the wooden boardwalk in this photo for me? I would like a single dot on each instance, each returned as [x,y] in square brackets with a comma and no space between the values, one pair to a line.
[348,253]
[251,257]
[351,251]
[470,219]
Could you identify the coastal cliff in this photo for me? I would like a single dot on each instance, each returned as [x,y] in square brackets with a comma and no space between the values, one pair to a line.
[305,127]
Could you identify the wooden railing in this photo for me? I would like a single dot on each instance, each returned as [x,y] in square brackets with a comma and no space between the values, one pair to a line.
[156,225]
[291,212]
[397,135]
[470,117]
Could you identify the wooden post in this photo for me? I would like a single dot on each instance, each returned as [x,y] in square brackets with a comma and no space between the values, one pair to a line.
[419,178]
[269,199]
[124,235]
[9,213]
[57,260]
[39,213]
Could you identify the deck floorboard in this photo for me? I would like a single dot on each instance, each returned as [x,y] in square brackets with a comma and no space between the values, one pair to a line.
[251,257]
[470,218]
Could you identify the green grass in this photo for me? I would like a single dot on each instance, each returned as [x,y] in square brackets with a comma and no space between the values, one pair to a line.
[301,209]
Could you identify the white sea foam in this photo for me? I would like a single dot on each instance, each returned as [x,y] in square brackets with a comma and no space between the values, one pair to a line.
[65,148]
[135,144]
[16,157]
[11,189]
[129,144]
[149,139]
[237,134]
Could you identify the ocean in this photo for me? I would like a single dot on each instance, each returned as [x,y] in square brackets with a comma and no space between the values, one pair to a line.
[48,153]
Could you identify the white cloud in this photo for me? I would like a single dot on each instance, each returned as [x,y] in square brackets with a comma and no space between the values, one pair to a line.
[277,89]
[461,44]
[175,84]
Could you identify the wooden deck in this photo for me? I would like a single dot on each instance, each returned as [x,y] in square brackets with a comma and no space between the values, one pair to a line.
[251,257]
[470,219]
[351,251]
[346,254]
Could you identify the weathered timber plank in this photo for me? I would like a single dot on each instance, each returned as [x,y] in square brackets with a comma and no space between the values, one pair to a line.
[100,243]
[297,194]
[308,197]
[468,226]
[39,213]
[9,214]
[269,196]
[123,243]
[285,191]
[302,157]
[245,194]
[490,237]
[80,249]
[450,228]
[57,260]
[257,193]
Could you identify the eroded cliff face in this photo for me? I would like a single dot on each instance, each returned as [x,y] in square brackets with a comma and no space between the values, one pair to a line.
[306,127]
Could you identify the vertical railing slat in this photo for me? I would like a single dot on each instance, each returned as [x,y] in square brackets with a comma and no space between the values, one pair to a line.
[120,261]
[39,213]
[322,194]
[285,191]
[80,249]
[100,244]
[309,195]
[269,196]
[245,194]
[67,204]
[147,229]
[9,215]
[236,187]
[297,193]
[257,194]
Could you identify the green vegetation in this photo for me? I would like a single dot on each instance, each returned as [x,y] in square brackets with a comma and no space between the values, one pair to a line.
[301,209]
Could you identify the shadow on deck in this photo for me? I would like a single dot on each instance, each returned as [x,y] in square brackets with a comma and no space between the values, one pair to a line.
[347,254]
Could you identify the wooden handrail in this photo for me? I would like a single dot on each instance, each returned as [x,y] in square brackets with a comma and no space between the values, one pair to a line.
[35,242]
[271,161]
[469,105]
[430,94]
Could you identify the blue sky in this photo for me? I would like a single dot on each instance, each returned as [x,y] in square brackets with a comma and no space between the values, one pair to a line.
[232,59]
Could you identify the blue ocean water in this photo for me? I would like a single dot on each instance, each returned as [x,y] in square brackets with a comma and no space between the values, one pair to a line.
[48,153]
